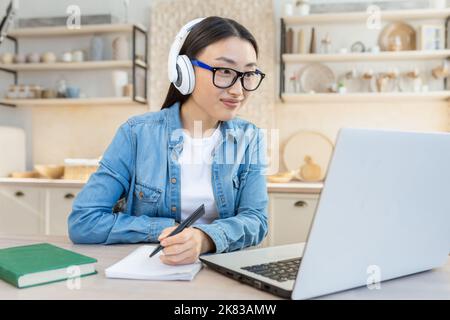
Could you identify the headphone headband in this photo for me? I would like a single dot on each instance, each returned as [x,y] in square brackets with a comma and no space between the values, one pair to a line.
[176,47]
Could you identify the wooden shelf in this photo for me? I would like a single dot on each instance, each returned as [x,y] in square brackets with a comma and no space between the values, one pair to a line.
[72,102]
[64,31]
[366,97]
[367,56]
[351,17]
[68,65]
[38,182]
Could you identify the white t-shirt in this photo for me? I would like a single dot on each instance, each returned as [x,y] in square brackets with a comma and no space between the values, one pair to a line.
[196,186]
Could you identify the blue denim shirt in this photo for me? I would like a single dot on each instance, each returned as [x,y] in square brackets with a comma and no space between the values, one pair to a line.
[135,193]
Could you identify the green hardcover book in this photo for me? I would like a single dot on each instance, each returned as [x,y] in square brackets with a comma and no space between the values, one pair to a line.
[42,263]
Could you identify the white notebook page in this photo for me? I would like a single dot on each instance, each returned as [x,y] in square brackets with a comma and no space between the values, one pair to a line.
[138,265]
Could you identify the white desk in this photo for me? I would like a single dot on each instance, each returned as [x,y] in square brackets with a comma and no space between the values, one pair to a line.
[206,286]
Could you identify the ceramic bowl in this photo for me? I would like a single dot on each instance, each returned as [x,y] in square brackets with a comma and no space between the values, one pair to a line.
[282,177]
[48,57]
[25,175]
[19,58]
[33,58]
[50,171]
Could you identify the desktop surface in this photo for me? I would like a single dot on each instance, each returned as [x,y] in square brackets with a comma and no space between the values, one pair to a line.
[207,285]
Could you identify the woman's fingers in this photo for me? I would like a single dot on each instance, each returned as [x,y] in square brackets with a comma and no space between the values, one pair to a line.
[179,238]
[177,248]
[182,248]
[186,257]
[166,232]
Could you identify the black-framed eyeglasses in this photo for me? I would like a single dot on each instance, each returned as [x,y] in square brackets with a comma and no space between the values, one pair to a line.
[224,78]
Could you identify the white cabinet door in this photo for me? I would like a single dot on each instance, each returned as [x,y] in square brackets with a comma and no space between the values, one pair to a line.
[21,210]
[290,217]
[58,207]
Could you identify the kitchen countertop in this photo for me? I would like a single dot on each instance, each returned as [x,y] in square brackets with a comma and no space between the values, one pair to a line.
[295,187]
[46,183]
[290,187]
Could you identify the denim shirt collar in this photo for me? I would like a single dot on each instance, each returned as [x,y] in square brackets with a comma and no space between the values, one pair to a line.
[227,128]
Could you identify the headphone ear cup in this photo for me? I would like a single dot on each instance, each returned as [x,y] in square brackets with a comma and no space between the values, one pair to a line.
[185,82]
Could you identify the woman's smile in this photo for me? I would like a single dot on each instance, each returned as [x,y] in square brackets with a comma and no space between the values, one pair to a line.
[231,104]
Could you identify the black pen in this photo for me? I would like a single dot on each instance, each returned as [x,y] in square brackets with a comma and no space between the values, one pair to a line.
[185,224]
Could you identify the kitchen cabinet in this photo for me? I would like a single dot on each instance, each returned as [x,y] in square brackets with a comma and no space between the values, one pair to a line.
[290,217]
[35,210]
[58,207]
[21,210]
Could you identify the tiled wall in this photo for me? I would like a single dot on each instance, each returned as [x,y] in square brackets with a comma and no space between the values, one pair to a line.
[168,17]
[76,132]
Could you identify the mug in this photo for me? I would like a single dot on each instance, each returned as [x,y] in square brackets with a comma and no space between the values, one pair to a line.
[120,79]
[375,49]
[78,56]
[73,92]
[67,57]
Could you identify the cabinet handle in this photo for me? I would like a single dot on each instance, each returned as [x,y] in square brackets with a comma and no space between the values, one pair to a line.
[301,204]
[19,194]
[69,196]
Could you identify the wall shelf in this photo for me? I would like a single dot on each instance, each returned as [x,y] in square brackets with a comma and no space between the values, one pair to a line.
[366,97]
[367,56]
[352,17]
[134,64]
[64,31]
[86,65]
[72,102]
[360,18]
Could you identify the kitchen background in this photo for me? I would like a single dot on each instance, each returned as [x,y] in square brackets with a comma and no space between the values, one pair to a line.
[313,98]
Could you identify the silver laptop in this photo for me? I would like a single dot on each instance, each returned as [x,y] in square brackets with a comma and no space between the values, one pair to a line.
[383,213]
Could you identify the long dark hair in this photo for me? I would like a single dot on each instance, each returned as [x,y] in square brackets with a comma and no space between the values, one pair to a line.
[208,31]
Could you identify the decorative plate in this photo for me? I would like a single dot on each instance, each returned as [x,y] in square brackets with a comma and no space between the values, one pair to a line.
[397,36]
[316,78]
[305,144]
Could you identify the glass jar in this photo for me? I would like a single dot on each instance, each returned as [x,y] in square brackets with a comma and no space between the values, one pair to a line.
[302,8]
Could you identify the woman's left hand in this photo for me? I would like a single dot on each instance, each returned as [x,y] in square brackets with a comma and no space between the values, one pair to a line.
[184,247]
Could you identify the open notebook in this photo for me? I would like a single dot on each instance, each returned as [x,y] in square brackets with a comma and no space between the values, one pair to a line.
[138,265]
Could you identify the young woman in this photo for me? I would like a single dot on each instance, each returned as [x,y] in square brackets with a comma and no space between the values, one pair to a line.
[164,165]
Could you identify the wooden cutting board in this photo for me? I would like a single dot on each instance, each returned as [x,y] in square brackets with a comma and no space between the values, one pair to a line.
[12,146]
[308,145]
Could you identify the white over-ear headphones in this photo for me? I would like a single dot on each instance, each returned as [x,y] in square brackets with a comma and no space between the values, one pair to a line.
[181,71]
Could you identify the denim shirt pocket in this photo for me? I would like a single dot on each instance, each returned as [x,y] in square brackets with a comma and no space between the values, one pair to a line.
[146,200]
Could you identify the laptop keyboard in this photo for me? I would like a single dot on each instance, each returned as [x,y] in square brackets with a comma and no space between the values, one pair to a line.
[280,271]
